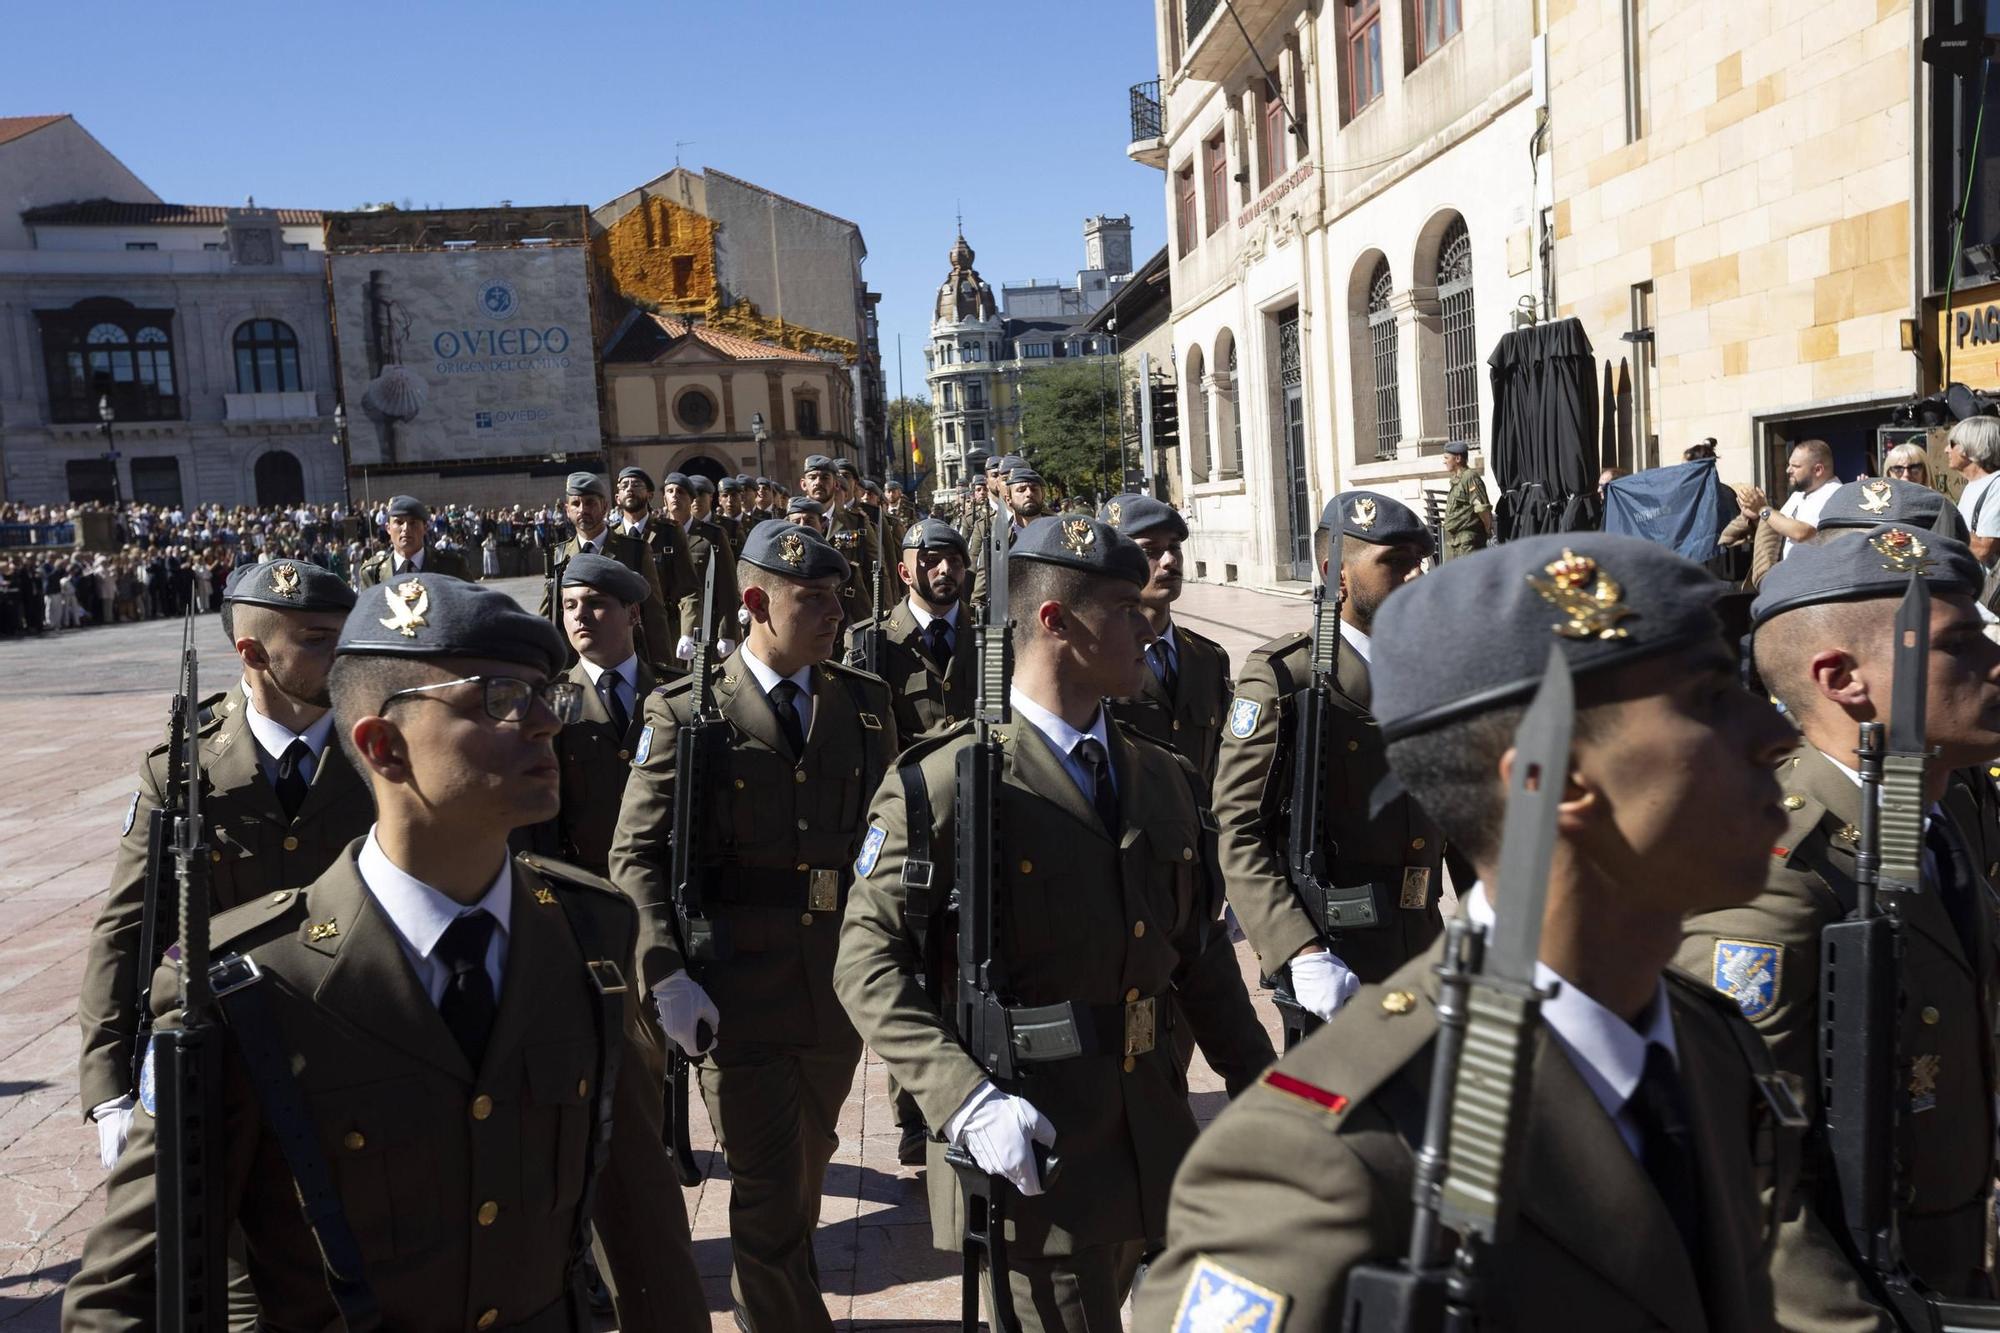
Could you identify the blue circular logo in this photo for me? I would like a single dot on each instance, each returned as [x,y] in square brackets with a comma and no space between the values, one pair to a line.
[497,301]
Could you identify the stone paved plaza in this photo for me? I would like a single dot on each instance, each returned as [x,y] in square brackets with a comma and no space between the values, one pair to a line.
[76,710]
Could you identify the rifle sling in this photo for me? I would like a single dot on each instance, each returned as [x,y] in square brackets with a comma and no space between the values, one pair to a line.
[240,995]
[919,872]
[607,993]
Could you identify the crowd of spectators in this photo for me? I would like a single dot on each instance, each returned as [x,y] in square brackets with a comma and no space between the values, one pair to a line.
[159,559]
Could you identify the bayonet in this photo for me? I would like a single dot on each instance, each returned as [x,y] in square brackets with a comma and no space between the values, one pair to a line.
[698,931]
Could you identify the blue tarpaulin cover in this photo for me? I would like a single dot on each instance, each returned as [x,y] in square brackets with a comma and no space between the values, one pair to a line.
[1683,507]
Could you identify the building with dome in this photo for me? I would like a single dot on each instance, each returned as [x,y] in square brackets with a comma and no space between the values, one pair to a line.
[967,338]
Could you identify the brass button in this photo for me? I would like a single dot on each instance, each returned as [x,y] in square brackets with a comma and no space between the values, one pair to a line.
[1930,1015]
[803,826]
[278,897]
[291,843]
[1027,867]
[1416,844]
[1131,995]
[1353,745]
[805,918]
[583,1087]
[482,1106]
[354,1140]
[803,867]
[1187,853]
[1794,802]
[1177,725]
[1398,1002]
[1138,930]
[624,755]
[215,856]
[798,775]
[489,1319]
[1130,1063]
[487,1212]
[739,784]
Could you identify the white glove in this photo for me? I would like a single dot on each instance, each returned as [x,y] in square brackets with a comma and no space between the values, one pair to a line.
[1323,983]
[724,647]
[1000,1132]
[684,1006]
[114,1122]
[685,648]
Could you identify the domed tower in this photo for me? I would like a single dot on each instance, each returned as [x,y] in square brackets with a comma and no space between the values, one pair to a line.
[965,344]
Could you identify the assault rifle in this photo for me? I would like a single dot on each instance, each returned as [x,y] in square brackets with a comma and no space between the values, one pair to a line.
[161,826]
[1489,1008]
[1861,961]
[983,995]
[868,640]
[698,932]
[184,1076]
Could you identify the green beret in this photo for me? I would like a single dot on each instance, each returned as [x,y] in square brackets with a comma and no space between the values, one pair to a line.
[288,585]
[421,616]
[589,570]
[1083,543]
[1879,565]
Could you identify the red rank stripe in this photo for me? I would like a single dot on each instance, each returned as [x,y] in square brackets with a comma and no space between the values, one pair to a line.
[1320,1097]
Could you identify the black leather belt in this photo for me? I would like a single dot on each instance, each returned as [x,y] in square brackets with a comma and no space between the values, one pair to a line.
[1043,1034]
[809,890]
[1369,900]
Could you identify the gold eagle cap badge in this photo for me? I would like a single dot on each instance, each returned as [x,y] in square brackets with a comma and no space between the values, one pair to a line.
[1363,513]
[285,581]
[1114,513]
[792,549]
[1586,594]
[407,604]
[1901,551]
[1876,496]
[1078,536]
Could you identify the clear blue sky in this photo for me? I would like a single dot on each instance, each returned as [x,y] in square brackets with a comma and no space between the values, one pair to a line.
[888,112]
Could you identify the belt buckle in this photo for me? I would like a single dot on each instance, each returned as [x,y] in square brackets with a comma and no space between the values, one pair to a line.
[1139,1025]
[1416,894]
[823,891]
[604,974]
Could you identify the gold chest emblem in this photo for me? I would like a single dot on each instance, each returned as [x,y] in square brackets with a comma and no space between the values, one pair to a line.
[1585,594]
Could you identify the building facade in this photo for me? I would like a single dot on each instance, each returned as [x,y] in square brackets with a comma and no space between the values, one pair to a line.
[203,330]
[1352,225]
[967,334]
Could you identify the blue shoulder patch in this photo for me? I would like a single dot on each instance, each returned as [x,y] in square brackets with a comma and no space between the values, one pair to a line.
[1748,972]
[1217,1299]
[871,851]
[645,745]
[1243,717]
[149,1093]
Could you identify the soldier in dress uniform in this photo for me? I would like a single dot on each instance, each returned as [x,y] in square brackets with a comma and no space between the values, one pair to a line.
[587,503]
[1468,518]
[901,511]
[846,531]
[1823,625]
[705,542]
[600,606]
[1026,497]
[927,639]
[665,536]
[729,511]
[1105,865]
[1380,546]
[1185,692]
[975,502]
[769,504]
[409,550]
[806,741]
[451,1018]
[1652,1162]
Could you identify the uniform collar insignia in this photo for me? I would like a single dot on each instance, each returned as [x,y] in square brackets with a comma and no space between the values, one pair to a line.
[322,930]
[1078,537]
[1589,597]
[408,602]
[544,895]
[285,581]
[1901,552]
[1362,511]
[1875,497]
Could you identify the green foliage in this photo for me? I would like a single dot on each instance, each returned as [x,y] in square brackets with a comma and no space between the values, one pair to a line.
[1069,424]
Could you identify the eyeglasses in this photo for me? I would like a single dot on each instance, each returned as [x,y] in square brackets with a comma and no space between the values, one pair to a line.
[509,698]
[1906,470]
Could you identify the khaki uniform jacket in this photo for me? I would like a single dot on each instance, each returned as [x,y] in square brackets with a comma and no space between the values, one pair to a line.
[1464,504]
[595,761]
[1191,719]
[382,565]
[255,851]
[673,553]
[977,526]
[927,699]
[851,533]
[420,1144]
[706,541]
[1766,956]
[659,629]
[772,817]
[1308,1175]
[1399,848]
[1086,920]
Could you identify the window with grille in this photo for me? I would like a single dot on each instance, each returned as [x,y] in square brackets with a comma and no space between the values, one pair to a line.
[1438,21]
[1184,208]
[267,357]
[1215,175]
[1461,345]
[1382,347]
[1363,19]
[108,349]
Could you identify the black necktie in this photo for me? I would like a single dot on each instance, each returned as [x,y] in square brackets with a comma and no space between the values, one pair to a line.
[1163,665]
[614,701]
[405,567]
[939,635]
[467,1005]
[784,696]
[1953,878]
[291,783]
[1102,794]
[1666,1145]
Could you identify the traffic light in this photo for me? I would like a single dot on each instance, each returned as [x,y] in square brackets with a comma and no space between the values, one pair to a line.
[1166,414]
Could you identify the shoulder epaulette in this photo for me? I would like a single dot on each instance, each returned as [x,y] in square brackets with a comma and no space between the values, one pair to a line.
[677,685]
[1281,645]
[565,875]
[1348,1061]
[250,918]
[865,677]
[1803,816]
[919,750]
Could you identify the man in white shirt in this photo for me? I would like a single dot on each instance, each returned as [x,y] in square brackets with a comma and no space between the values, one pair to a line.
[408,523]
[1809,472]
[1972,450]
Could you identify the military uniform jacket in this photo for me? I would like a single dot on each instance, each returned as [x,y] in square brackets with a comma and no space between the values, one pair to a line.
[1399,849]
[1190,719]
[849,532]
[707,542]
[1084,919]
[674,564]
[732,528]
[595,760]
[772,818]
[659,629]
[1308,1174]
[1766,956]
[461,1185]
[256,851]
[382,565]
[927,699]
[1463,505]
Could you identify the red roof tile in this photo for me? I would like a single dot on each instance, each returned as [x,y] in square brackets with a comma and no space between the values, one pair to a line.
[109,213]
[13,127]
[731,345]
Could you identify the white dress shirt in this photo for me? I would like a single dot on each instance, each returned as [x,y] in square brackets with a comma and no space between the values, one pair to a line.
[274,738]
[626,672]
[592,545]
[768,679]
[407,564]
[1065,739]
[1607,1051]
[1357,640]
[420,914]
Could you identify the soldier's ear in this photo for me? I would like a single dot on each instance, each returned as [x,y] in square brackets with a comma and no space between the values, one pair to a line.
[381,747]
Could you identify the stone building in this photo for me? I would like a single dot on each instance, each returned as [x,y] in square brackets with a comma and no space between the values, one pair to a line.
[203,329]
[965,348]
[1352,225]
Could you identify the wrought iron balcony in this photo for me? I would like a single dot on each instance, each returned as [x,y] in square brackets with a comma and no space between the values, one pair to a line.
[1148,145]
[1198,12]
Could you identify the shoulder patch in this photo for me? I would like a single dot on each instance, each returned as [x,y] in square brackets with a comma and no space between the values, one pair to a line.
[1217,1299]
[131,815]
[149,1088]
[645,746]
[1748,972]
[871,851]
[1243,717]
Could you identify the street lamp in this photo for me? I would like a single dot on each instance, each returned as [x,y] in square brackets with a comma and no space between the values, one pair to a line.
[759,434]
[340,442]
[105,416]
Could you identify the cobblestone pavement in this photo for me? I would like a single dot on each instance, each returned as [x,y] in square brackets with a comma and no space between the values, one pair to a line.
[77,709]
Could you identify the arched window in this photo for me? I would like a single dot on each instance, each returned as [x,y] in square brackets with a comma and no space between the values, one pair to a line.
[1461,346]
[280,479]
[1194,416]
[267,357]
[1228,410]
[1382,355]
[106,348]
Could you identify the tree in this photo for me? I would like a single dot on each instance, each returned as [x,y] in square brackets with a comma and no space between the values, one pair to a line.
[1069,424]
